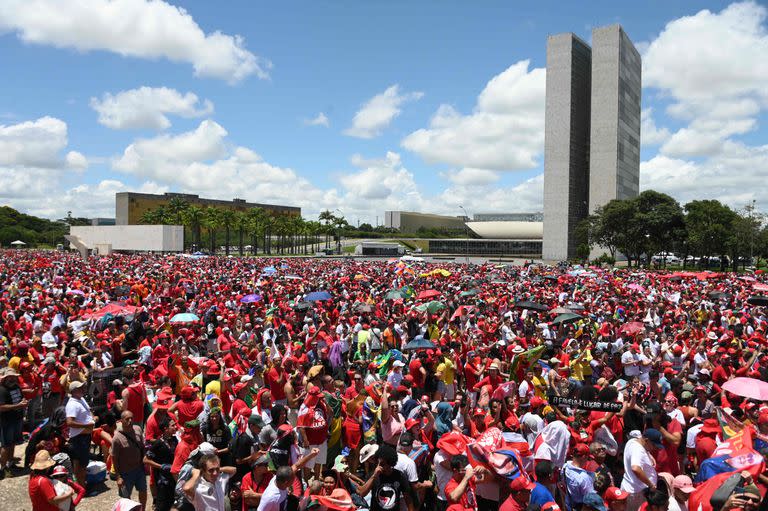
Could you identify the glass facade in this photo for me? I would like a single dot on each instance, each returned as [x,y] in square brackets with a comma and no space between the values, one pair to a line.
[517,248]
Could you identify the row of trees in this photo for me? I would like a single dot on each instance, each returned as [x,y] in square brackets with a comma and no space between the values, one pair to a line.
[653,222]
[256,227]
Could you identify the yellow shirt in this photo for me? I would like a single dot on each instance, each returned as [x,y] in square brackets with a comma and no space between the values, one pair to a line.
[447,370]
[539,386]
[580,368]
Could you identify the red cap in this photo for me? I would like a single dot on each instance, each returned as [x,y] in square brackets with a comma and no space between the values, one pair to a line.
[536,401]
[613,494]
[411,423]
[581,450]
[520,484]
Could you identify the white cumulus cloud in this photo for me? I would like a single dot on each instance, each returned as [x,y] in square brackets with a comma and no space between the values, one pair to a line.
[379,111]
[35,143]
[147,108]
[319,120]
[149,29]
[504,132]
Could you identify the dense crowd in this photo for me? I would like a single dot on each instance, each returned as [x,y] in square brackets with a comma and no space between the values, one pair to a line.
[281,385]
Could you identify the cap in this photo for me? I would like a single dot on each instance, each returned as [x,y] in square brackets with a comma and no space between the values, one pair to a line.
[206,447]
[594,501]
[522,483]
[194,423]
[256,420]
[367,452]
[398,363]
[654,436]
[536,401]
[262,460]
[411,423]
[612,494]
[59,470]
[683,483]
[581,450]
[453,443]
[550,506]
[74,385]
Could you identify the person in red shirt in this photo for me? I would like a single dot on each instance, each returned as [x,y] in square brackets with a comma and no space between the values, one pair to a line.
[312,426]
[706,440]
[354,390]
[519,495]
[239,404]
[276,380]
[460,490]
[31,389]
[134,395]
[255,482]
[473,372]
[418,372]
[41,490]
[191,438]
[52,392]
[188,407]
[493,379]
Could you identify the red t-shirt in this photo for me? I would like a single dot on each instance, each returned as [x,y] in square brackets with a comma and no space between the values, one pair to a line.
[237,406]
[511,505]
[668,460]
[50,380]
[414,369]
[277,381]
[467,501]
[137,397]
[40,492]
[247,484]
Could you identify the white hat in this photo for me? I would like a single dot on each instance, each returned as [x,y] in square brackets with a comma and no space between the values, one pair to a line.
[75,385]
[712,336]
[367,452]
[398,363]
[245,378]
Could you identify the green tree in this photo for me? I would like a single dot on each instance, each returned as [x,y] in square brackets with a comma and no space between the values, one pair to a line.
[154,216]
[662,218]
[212,221]
[708,225]
[256,219]
[175,210]
[193,218]
[228,217]
[326,218]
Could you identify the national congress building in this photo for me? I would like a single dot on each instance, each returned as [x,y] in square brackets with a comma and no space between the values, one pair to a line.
[592,134]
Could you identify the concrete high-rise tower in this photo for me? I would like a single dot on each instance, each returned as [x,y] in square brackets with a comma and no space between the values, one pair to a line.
[592,133]
[566,143]
[614,154]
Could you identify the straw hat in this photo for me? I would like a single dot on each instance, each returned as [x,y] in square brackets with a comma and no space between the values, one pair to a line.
[42,461]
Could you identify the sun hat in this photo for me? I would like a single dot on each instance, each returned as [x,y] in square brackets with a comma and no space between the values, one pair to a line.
[367,452]
[453,443]
[42,461]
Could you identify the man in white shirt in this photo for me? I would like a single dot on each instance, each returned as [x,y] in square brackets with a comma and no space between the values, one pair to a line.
[207,488]
[275,495]
[80,422]
[630,359]
[639,467]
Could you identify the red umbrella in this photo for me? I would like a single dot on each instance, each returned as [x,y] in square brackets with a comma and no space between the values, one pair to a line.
[429,293]
[632,328]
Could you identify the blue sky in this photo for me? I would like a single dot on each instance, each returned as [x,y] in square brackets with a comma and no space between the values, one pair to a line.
[360,106]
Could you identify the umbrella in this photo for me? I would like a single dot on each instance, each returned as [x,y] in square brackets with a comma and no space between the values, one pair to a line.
[717,295]
[18,243]
[75,292]
[751,388]
[534,306]
[419,343]
[758,300]
[115,308]
[301,306]
[471,292]
[561,310]
[395,294]
[184,317]
[632,328]
[318,296]
[251,298]
[568,317]
[576,307]
[429,293]
[431,307]
[268,270]
[292,277]
[636,287]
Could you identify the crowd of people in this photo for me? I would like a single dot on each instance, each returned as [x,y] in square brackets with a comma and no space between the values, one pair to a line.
[279,385]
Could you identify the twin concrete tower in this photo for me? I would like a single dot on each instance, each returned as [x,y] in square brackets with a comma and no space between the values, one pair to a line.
[592,133]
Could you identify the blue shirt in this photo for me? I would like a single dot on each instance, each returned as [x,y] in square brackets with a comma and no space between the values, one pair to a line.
[578,482]
[541,495]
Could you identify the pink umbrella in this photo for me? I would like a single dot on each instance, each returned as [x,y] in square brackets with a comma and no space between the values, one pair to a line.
[632,328]
[748,387]
[636,287]
[429,293]
[760,287]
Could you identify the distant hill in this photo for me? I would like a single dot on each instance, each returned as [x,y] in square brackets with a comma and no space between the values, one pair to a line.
[30,229]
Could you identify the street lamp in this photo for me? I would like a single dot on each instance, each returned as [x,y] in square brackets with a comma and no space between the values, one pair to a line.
[338,233]
[466,233]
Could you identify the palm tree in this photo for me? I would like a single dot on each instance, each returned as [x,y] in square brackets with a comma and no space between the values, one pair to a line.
[154,216]
[212,221]
[227,220]
[176,208]
[241,223]
[270,222]
[193,218]
[256,218]
[327,217]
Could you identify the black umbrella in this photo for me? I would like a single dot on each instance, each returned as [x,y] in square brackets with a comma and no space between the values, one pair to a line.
[302,306]
[534,306]
[758,300]
[575,307]
[419,343]
[363,307]
[568,317]
[717,295]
